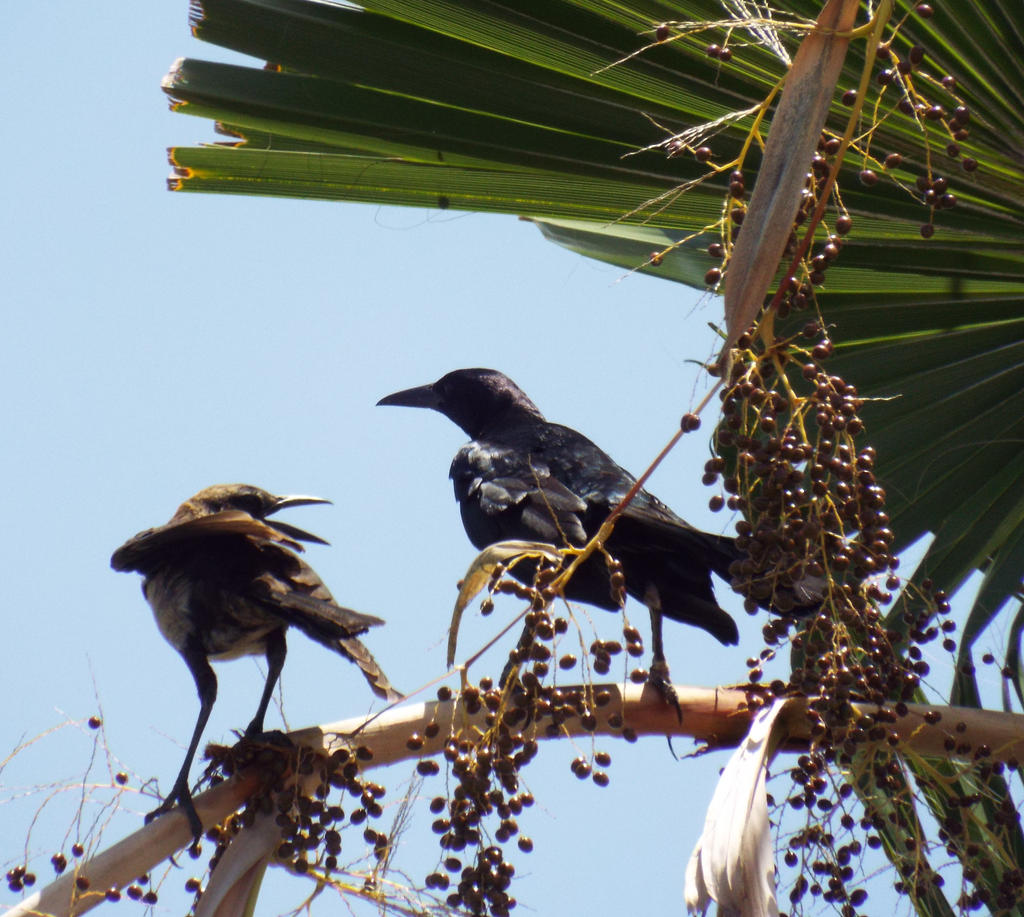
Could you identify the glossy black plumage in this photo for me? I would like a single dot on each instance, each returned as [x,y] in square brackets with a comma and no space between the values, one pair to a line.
[522,477]
[223,581]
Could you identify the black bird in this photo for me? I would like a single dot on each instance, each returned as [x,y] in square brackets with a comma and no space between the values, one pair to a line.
[224,582]
[524,478]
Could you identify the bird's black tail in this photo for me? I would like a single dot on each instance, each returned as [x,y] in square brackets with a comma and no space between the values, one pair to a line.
[720,552]
[801,598]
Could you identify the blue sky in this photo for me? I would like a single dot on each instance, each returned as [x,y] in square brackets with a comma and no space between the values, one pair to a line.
[156,343]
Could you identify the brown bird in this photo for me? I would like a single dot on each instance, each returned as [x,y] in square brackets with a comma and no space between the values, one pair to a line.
[223,581]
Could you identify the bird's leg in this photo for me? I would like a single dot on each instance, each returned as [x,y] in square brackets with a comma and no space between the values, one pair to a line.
[206,686]
[659,677]
[522,653]
[276,650]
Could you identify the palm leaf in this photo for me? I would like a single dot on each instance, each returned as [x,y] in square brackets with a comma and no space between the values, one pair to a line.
[540,108]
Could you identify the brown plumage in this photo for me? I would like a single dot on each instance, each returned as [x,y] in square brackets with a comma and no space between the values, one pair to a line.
[224,581]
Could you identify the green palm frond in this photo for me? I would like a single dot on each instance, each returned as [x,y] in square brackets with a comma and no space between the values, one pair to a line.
[574,114]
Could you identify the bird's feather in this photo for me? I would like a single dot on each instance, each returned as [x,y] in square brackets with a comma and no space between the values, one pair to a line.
[133,554]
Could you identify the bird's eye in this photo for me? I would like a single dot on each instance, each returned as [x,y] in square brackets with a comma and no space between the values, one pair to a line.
[248,503]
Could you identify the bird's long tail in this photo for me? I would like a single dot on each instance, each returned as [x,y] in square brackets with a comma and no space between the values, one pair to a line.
[372,672]
[720,551]
[801,598]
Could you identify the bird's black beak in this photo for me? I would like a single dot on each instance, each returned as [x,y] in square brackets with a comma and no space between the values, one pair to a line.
[423,396]
[293,531]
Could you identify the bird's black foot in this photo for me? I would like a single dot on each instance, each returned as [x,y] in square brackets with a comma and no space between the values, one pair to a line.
[270,737]
[660,681]
[516,658]
[507,673]
[181,795]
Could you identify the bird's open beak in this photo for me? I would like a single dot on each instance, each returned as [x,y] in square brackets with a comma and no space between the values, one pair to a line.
[293,531]
[423,396]
[295,500]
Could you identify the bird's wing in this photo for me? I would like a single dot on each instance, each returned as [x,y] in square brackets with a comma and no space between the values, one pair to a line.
[649,512]
[519,493]
[649,521]
[133,553]
[292,589]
